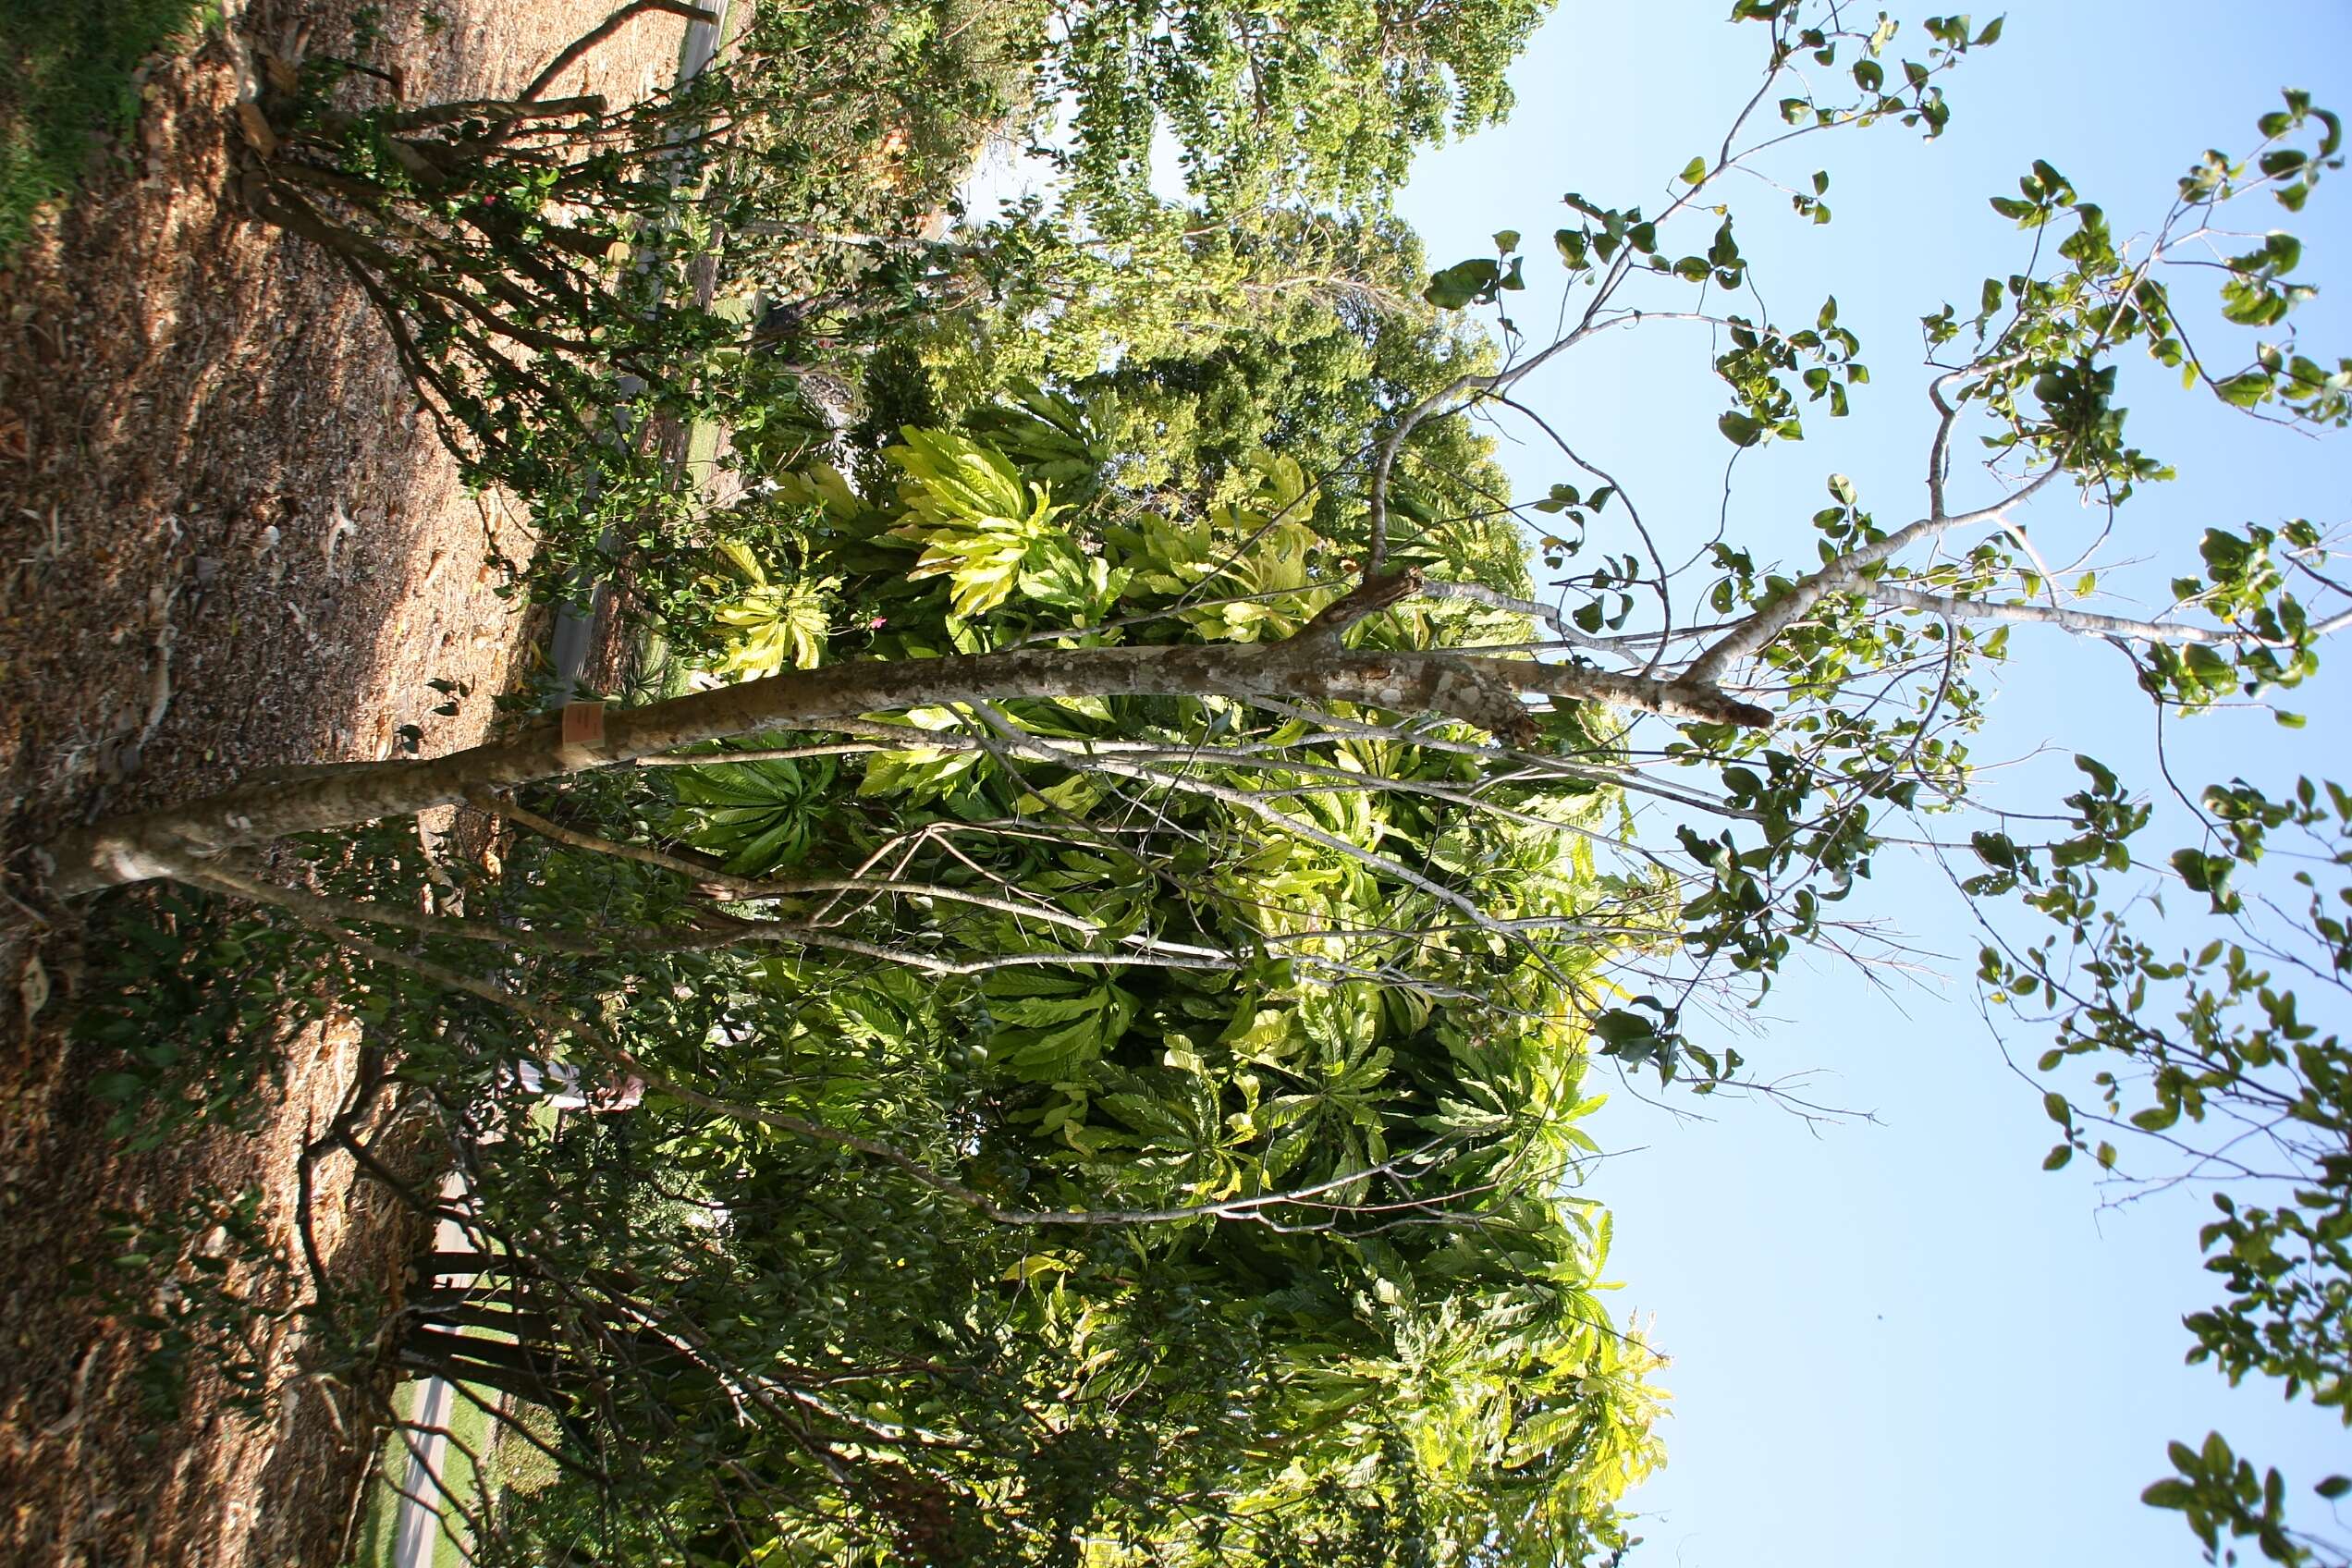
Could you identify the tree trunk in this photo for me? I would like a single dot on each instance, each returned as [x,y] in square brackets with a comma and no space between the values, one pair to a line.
[1311,667]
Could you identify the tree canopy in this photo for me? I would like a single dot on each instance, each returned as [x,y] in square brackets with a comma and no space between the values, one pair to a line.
[1269,103]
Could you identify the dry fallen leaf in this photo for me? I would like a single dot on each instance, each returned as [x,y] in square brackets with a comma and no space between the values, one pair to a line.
[255,128]
[342,525]
[33,987]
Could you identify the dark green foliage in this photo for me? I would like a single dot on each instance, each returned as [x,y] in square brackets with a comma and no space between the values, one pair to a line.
[203,1288]
[758,817]
[1321,370]
[189,1002]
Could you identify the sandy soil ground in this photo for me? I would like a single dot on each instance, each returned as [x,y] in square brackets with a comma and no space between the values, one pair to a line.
[226,543]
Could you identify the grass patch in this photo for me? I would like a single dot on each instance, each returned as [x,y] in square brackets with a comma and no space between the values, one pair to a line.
[378,1534]
[65,74]
[383,1506]
[471,1429]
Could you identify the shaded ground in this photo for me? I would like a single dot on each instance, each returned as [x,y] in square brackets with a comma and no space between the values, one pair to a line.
[225,543]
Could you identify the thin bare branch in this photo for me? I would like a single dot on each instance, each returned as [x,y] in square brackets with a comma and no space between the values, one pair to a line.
[2087,622]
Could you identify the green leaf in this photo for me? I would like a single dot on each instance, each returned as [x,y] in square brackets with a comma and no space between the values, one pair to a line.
[118,1086]
[2244,391]
[1506,241]
[1462,284]
[2203,872]
[2058,1157]
[2334,1486]
[1740,429]
[1693,171]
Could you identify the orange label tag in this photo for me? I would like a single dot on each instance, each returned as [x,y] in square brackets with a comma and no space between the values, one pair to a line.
[583,724]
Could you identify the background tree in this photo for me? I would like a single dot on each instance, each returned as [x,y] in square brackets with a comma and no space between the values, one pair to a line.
[1166,381]
[1273,103]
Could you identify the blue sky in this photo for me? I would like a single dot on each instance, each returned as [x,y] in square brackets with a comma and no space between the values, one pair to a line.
[1899,1340]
